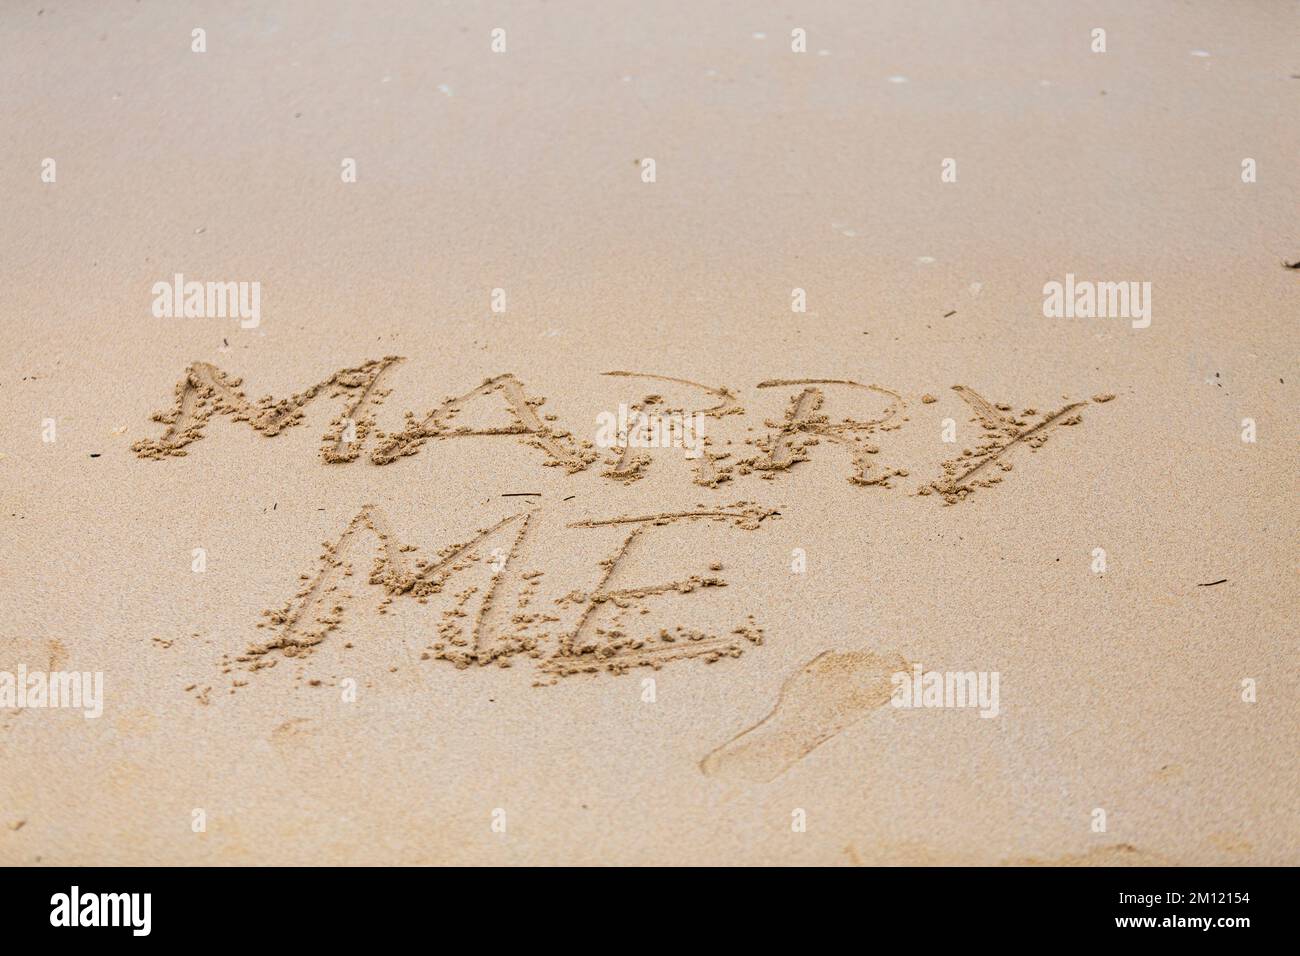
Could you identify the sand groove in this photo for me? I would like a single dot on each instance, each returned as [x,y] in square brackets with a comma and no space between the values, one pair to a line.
[500,631]
[1002,432]
[205,390]
[804,425]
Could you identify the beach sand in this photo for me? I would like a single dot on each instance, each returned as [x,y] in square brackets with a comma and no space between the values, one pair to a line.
[491,704]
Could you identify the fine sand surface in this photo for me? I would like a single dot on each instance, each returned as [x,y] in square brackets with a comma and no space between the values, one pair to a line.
[505,645]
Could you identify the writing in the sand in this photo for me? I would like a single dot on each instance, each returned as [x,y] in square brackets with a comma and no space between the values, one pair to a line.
[620,616]
[205,391]
[497,612]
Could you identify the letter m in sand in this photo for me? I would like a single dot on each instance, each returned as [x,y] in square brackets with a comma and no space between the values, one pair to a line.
[205,390]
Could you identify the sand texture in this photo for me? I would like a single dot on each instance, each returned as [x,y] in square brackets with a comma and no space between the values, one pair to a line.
[363,581]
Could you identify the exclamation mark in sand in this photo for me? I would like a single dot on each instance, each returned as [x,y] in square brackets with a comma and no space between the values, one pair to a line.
[826,695]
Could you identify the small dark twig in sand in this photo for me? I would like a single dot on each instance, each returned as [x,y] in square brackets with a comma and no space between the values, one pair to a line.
[1212,583]
[522,494]
[1291,265]
[950,314]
